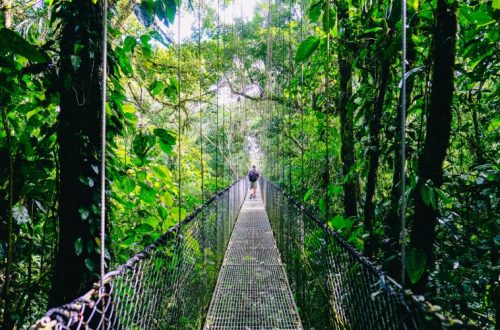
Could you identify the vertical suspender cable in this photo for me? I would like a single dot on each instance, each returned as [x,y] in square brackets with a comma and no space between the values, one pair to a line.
[231,175]
[103,139]
[243,103]
[242,53]
[279,91]
[327,117]
[268,83]
[226,135]
[103,156]
[291,74]
[179,119]
[403,144]
[202,167]
[302,184]
[217,102]
[282,115]
[302,151]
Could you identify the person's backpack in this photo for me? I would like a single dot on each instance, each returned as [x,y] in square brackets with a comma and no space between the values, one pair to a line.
[252,176]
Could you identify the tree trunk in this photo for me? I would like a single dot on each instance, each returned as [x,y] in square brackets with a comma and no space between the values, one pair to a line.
[437,140]
[7,15]
[5,295]
[391,247]
[374,155]
[77,258]
[346,116]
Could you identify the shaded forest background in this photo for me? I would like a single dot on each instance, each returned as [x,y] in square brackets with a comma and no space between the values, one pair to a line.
[314,84]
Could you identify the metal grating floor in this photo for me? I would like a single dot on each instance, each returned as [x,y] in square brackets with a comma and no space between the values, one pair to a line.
[252,291]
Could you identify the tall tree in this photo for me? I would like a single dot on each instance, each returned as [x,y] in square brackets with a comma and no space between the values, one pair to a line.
[9,203]
[437,140]
[78,137]
[346,116]
[392,220]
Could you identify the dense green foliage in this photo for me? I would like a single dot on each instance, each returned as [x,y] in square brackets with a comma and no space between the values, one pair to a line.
[306,138]
[314,84]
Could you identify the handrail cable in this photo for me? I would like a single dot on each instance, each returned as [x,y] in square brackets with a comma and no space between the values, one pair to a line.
[151,277]
[346,286]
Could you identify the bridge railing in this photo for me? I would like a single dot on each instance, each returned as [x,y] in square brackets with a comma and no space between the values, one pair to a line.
[334,285]
[166,286]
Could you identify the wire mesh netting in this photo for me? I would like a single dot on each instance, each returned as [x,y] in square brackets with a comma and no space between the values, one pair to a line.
[169,284]
[334,286]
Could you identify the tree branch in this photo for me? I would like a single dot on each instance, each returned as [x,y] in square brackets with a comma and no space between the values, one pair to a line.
[222,153]
[261,96]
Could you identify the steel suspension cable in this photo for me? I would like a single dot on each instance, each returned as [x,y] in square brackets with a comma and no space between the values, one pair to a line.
[268,83]
[179,119]
[232,160]
[276,104]
[302,151]
[104,77]
[403,142]
[103,141]
[223,106]
[200,77]
[282,91]
[302,184]
[327,117]
[217,101]
[290,106]
[242,59]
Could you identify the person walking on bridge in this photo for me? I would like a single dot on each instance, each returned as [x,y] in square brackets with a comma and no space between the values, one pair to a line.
[253,176]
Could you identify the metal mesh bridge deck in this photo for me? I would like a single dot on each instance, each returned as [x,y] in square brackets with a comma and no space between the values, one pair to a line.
[252,291]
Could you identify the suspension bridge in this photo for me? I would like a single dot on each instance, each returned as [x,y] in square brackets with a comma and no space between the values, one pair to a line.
[237,263]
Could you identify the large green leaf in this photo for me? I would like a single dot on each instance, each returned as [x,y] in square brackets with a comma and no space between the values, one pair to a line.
[306,48]
[128,184]
[166,139]
[338,222]
[322,206]
[163,174]
[141,144]
[144,13]
[315,11]
[13,42]
[416,262]
[308,194]
[428,194]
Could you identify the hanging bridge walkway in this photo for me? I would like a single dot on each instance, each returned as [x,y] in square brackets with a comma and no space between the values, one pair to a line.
[252,291]
[250,264]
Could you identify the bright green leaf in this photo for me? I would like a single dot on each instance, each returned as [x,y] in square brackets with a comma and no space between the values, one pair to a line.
[416,263]
[306,48]
[90,264]
[308,194]
[13,42]
[315,12]
[322,206]
[79,246]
